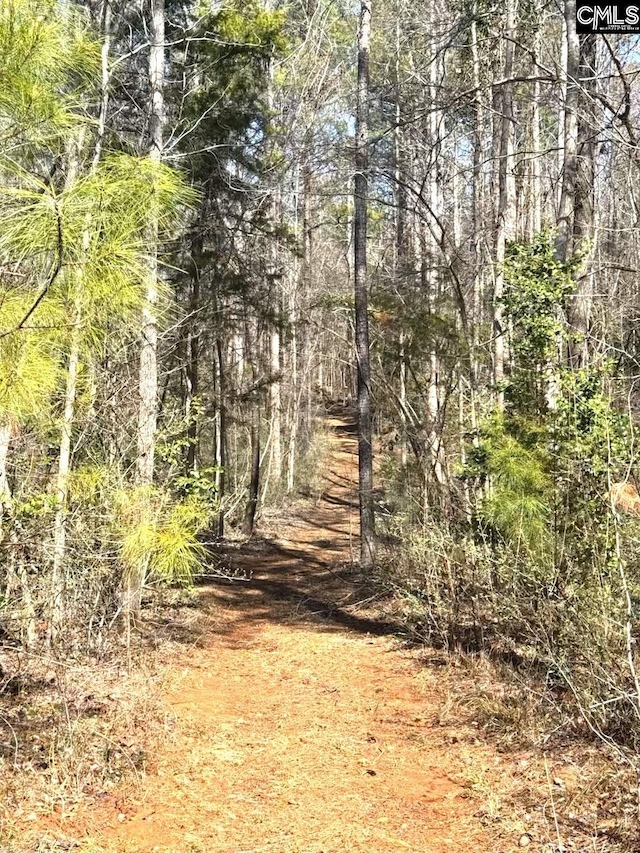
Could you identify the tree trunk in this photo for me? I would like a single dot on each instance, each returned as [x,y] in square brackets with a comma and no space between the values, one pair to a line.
[402,396]
[192,374]
[306,267]
[579,313]
[6,433]
[56,612]
[505,226]
[564,242]
[478,201]
[295,391]
[430,262]
[535,215]
[564,58]
[400,265]
[62,481]
[148,373]
[221,438]
[365,449]
[254,481]
[275,403]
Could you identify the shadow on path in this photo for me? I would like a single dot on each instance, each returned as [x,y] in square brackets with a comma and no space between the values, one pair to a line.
[306,574]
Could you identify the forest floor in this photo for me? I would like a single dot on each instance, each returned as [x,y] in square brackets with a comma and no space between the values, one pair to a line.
[300,721]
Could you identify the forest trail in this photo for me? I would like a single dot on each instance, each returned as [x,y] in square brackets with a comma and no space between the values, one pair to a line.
[300,727]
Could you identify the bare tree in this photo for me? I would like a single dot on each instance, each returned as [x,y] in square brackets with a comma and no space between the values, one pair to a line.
[365,447]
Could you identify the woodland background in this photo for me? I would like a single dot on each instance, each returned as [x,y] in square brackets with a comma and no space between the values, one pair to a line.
[180,232]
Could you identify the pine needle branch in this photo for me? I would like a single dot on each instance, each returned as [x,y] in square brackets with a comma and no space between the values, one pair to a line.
[48,285]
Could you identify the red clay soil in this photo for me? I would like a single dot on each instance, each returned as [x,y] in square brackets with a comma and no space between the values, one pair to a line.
[302,725]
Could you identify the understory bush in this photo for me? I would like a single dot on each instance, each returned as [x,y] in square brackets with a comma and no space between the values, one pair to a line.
[118,540]
[540,570]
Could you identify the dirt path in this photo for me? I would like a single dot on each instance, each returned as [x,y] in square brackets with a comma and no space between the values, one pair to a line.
[300,727]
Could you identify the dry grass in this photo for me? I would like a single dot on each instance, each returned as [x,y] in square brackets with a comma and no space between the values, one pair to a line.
[71,731]
[571,793]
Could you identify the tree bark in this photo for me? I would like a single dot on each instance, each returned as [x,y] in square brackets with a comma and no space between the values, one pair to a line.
[221,439]
[252,354]
[192,374]
[564,242]
[254,481]
[148,372]
[295,391]
[6,433]
[303,337]
[62,480]
[535,213]
[275,402]
[579,314]
[564,58]
[505,226]
[477,204]
[430,263]
[400,247]
[56,611]
[365,448]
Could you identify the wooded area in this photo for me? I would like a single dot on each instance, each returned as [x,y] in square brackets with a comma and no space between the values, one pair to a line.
[216,219]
